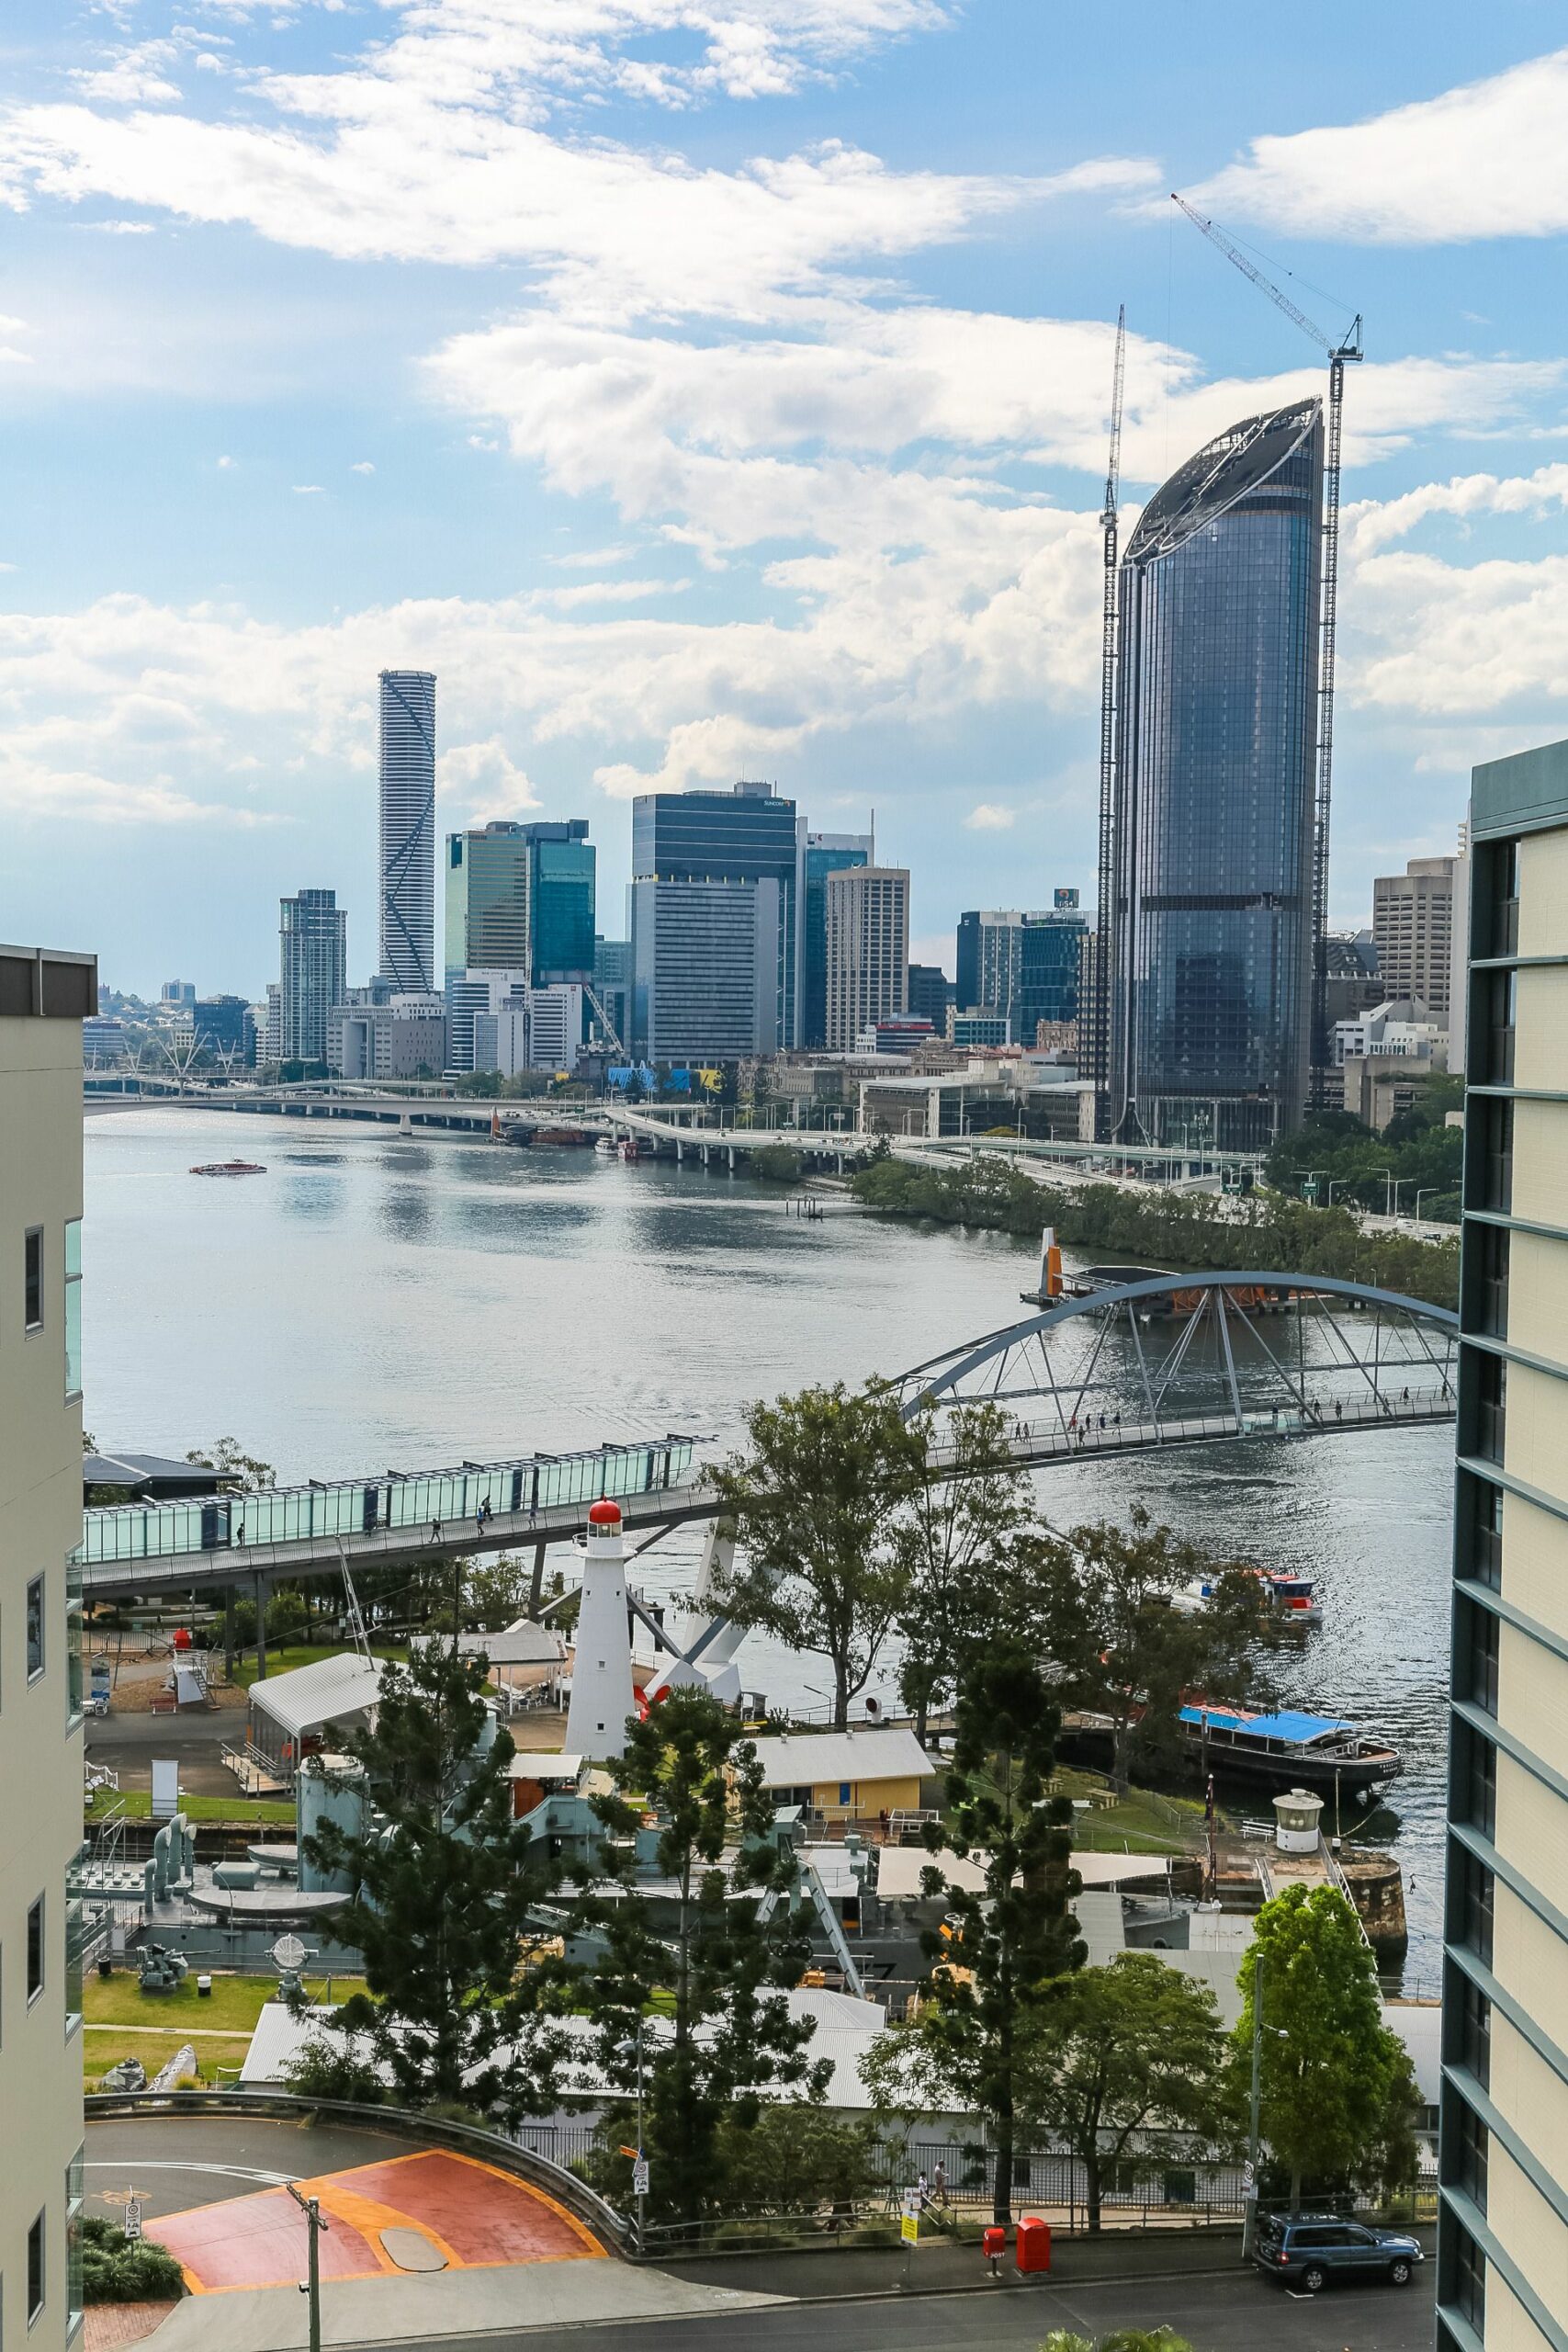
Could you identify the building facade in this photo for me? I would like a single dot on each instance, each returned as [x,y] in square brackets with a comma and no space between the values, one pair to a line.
[1028,968]
[1502,2230]
[313,936]
[403,1037]
[868,951]
[222,1026]
[1413,927]
[823,853]
[522,898]
[931,995]
[1212,926]
[613,984]
[471,999]
[712,924]
[407,761]
[44,998]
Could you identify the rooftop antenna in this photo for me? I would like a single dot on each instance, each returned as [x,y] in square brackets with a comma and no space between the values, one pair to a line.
[1344,353]
[1099,1042]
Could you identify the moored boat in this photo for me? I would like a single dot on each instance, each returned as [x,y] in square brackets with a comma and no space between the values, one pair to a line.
[231,1167]
[1289,1749]
[1294,1598]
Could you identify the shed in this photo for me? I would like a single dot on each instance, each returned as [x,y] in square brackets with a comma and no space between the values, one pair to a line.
[521,1656]
[852,1776]
[290,1711]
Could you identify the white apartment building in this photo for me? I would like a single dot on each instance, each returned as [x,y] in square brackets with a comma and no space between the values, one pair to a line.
[1412,930]
[44,998]
[867,951]
[404,1037]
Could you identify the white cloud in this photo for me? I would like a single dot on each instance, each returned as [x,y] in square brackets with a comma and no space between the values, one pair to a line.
[986,817]
[1485,160]
[480,782]
[121,228]
[133,75]
[226,464]
[362,465]
[308,489]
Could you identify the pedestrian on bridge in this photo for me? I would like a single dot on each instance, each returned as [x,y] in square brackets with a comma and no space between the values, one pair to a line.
[435,1530]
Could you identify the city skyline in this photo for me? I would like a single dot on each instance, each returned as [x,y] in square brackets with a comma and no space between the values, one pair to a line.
[783,458]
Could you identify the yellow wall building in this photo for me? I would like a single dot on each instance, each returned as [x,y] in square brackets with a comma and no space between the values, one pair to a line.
[43,997]
[852,1776]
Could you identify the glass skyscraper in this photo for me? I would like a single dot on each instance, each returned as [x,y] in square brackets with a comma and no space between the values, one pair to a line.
[1023,965]
[823,854]
[407,735]
[713,908]
[314,938]
[523,897]
[1211,932]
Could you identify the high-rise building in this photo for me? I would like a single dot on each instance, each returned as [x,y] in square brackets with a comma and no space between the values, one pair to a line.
[177,992]
[1026,967]
[44,998]
[713,908]
[1503,2225]
[313,930]
[930,993]
[1413,926]
[868,951]
[269,1045]
[222,1025]
[822,854]
[1211,923]
[613,983]
[522,897]
[407,743]
[401,1036]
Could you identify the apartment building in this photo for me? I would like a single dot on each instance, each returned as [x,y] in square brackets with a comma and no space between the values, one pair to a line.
[44,998]
[867,951]
[1412,930]
[1502,2237]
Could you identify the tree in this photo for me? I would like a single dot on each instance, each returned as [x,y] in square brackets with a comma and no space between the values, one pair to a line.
[1122,2050]
[238,1472]
[815,1502]
[1120,2340]
[1002,1947]
[699,1980]
[495,1592]
[1331,2076]
[1100,1597]
[952,1541]
[443,1882]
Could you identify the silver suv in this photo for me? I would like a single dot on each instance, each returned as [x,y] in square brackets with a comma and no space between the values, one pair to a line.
[1306,2250]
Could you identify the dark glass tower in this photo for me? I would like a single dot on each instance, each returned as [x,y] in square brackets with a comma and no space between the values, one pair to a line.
[1211,935]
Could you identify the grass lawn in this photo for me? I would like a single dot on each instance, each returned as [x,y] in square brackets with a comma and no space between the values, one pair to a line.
[263,1812]
[233,2005]
[102,2047]
[283,1661]
[1137,1823]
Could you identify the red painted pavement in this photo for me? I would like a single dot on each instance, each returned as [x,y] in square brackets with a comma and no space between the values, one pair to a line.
[258,2241]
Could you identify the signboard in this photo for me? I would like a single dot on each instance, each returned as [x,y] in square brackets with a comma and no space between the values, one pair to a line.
[165,1787]
[1066,897]
[132,2223]
[640,2177]
[910,2228]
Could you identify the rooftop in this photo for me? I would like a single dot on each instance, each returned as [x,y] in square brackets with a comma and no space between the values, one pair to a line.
[868,1752]
[323,1692]
[47,984]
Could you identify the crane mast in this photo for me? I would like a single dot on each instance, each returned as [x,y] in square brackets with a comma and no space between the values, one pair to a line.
[1347,350]
[1099,1044]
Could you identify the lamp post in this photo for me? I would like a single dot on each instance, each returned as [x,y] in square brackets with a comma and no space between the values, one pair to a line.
[1387,1174]
[1416,1212]
[1395,1185]
[315,2223]
[639,2174]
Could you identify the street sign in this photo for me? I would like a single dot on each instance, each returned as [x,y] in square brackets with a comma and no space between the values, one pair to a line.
[640,2177]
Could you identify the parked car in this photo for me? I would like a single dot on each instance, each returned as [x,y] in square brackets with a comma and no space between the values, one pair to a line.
[1306,2250]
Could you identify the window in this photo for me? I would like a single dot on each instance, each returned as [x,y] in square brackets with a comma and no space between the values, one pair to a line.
[35,1629]
[32,1279]
[1497,1006]
[74,1307]
[35,2271]
[1471,1899]
[1491,1406]
[1492,1182]
[1466,2277]
[75,2187]
[1475,1780]
[1467,2027]
[1489,1283]
[1467,2150]
[1498,927]
[1487,1533]
[35,1949]
[1480,1641]
[74,1631]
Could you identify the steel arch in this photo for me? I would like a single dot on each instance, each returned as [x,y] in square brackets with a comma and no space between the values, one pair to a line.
[967,1358]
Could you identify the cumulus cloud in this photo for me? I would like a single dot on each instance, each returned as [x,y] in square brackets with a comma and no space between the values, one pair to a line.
[481,783]
[362,465]
[1485,160]
[986,817]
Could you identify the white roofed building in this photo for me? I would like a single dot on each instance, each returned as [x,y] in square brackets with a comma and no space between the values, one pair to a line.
[290,1713]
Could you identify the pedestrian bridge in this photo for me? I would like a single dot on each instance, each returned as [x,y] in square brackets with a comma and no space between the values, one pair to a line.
[1128,1368]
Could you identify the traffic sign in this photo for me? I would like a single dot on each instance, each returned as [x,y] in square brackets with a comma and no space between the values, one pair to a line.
[640,2177]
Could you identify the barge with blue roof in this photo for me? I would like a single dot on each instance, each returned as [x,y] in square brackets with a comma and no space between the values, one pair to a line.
[1288,1748]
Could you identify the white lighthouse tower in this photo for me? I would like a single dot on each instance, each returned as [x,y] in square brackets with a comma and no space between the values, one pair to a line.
[601,1694]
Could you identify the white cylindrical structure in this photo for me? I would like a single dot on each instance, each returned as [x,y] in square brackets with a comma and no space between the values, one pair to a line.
[602,1692]
[1295,1822]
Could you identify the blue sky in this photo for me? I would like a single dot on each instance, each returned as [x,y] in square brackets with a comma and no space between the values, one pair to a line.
[706,388]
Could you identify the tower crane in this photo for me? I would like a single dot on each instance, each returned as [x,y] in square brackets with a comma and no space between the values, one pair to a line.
[1345,352]
[1100,1008]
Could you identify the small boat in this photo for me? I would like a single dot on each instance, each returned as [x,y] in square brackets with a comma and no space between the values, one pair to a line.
[636,1148]
[1289,1749]
[231,1167]
[606,1147]
[1295,1597]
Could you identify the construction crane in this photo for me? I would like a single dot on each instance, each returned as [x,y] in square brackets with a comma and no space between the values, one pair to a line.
[1100,1008]
[1340,355]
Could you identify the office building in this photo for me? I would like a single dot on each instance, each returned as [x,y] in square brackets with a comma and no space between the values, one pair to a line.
[313,930]
[403,1036]
[523,898]
[930,995]
[613,987]
[1459,954]
[269,1046]
[1413,929]
[105,1044]
[868,951]
[177,992]
[823,853]
[540,1029]
[1503,2226]
[712,924]
[222,1026]
[44,998]
[1026,967]
[1214,820]
[473,997]
[407,761]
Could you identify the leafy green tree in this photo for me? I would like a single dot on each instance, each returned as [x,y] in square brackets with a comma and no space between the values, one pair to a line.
[495,1593]
[443,1885]
[815,1501]
[776,1163]
[1003,1946]
[953,1540]
[1332,2077]
[698,1977]
[238,1472]
[1119,2051]
[1100,1598]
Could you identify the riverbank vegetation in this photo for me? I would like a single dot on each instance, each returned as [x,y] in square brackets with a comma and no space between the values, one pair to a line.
[1416,1152]
[1264,1233]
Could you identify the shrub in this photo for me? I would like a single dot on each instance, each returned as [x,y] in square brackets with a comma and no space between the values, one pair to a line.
[118,2269]
[334,2070]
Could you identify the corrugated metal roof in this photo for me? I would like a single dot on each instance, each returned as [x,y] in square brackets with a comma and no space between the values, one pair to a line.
[323,1692]
[873,1754]
[523,1644]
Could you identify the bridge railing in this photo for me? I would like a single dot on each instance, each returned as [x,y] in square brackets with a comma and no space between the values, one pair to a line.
[378,1506]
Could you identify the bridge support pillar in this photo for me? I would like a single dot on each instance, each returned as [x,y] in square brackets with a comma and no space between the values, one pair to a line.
[732,1160]
[536,1584]
[680,1151]
[228,1632]
[260,1589]
[705,1155]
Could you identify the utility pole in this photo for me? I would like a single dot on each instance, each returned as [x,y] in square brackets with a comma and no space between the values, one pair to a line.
[315,2223]
[1249,2224]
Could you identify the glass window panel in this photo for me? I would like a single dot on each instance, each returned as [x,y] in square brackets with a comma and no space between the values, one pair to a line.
[74,1627]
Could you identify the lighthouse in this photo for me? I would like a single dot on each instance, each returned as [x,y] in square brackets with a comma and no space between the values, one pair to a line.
[601,1695]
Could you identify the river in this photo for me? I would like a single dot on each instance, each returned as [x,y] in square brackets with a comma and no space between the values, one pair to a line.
[371,1303]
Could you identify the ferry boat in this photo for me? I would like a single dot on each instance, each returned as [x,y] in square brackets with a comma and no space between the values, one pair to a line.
[1289,1749]
[606,1147]
[637,1148]
[1295,1597]
[231,1167]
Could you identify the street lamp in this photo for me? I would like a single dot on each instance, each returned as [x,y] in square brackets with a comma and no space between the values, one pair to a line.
[1342,1181]
[1416,1212]
[1393,1190]
[310,2284]
[1372,1174]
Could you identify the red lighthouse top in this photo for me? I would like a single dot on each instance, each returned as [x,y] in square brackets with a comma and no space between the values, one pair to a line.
[604,1515]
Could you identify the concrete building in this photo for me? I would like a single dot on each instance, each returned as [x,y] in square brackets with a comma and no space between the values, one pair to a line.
[405,1037]
[1026,967]
[105,1044]
[1503,2231]
[1396,1029]
[44,998]
[822,854]
[868,950]
[313,934]
[1459,952]
[542,1030]
[471,997]
[522,898]
[931,995]
[269,1036]
[407,761]
[1027,1098]
[713,926]
[1413,929]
